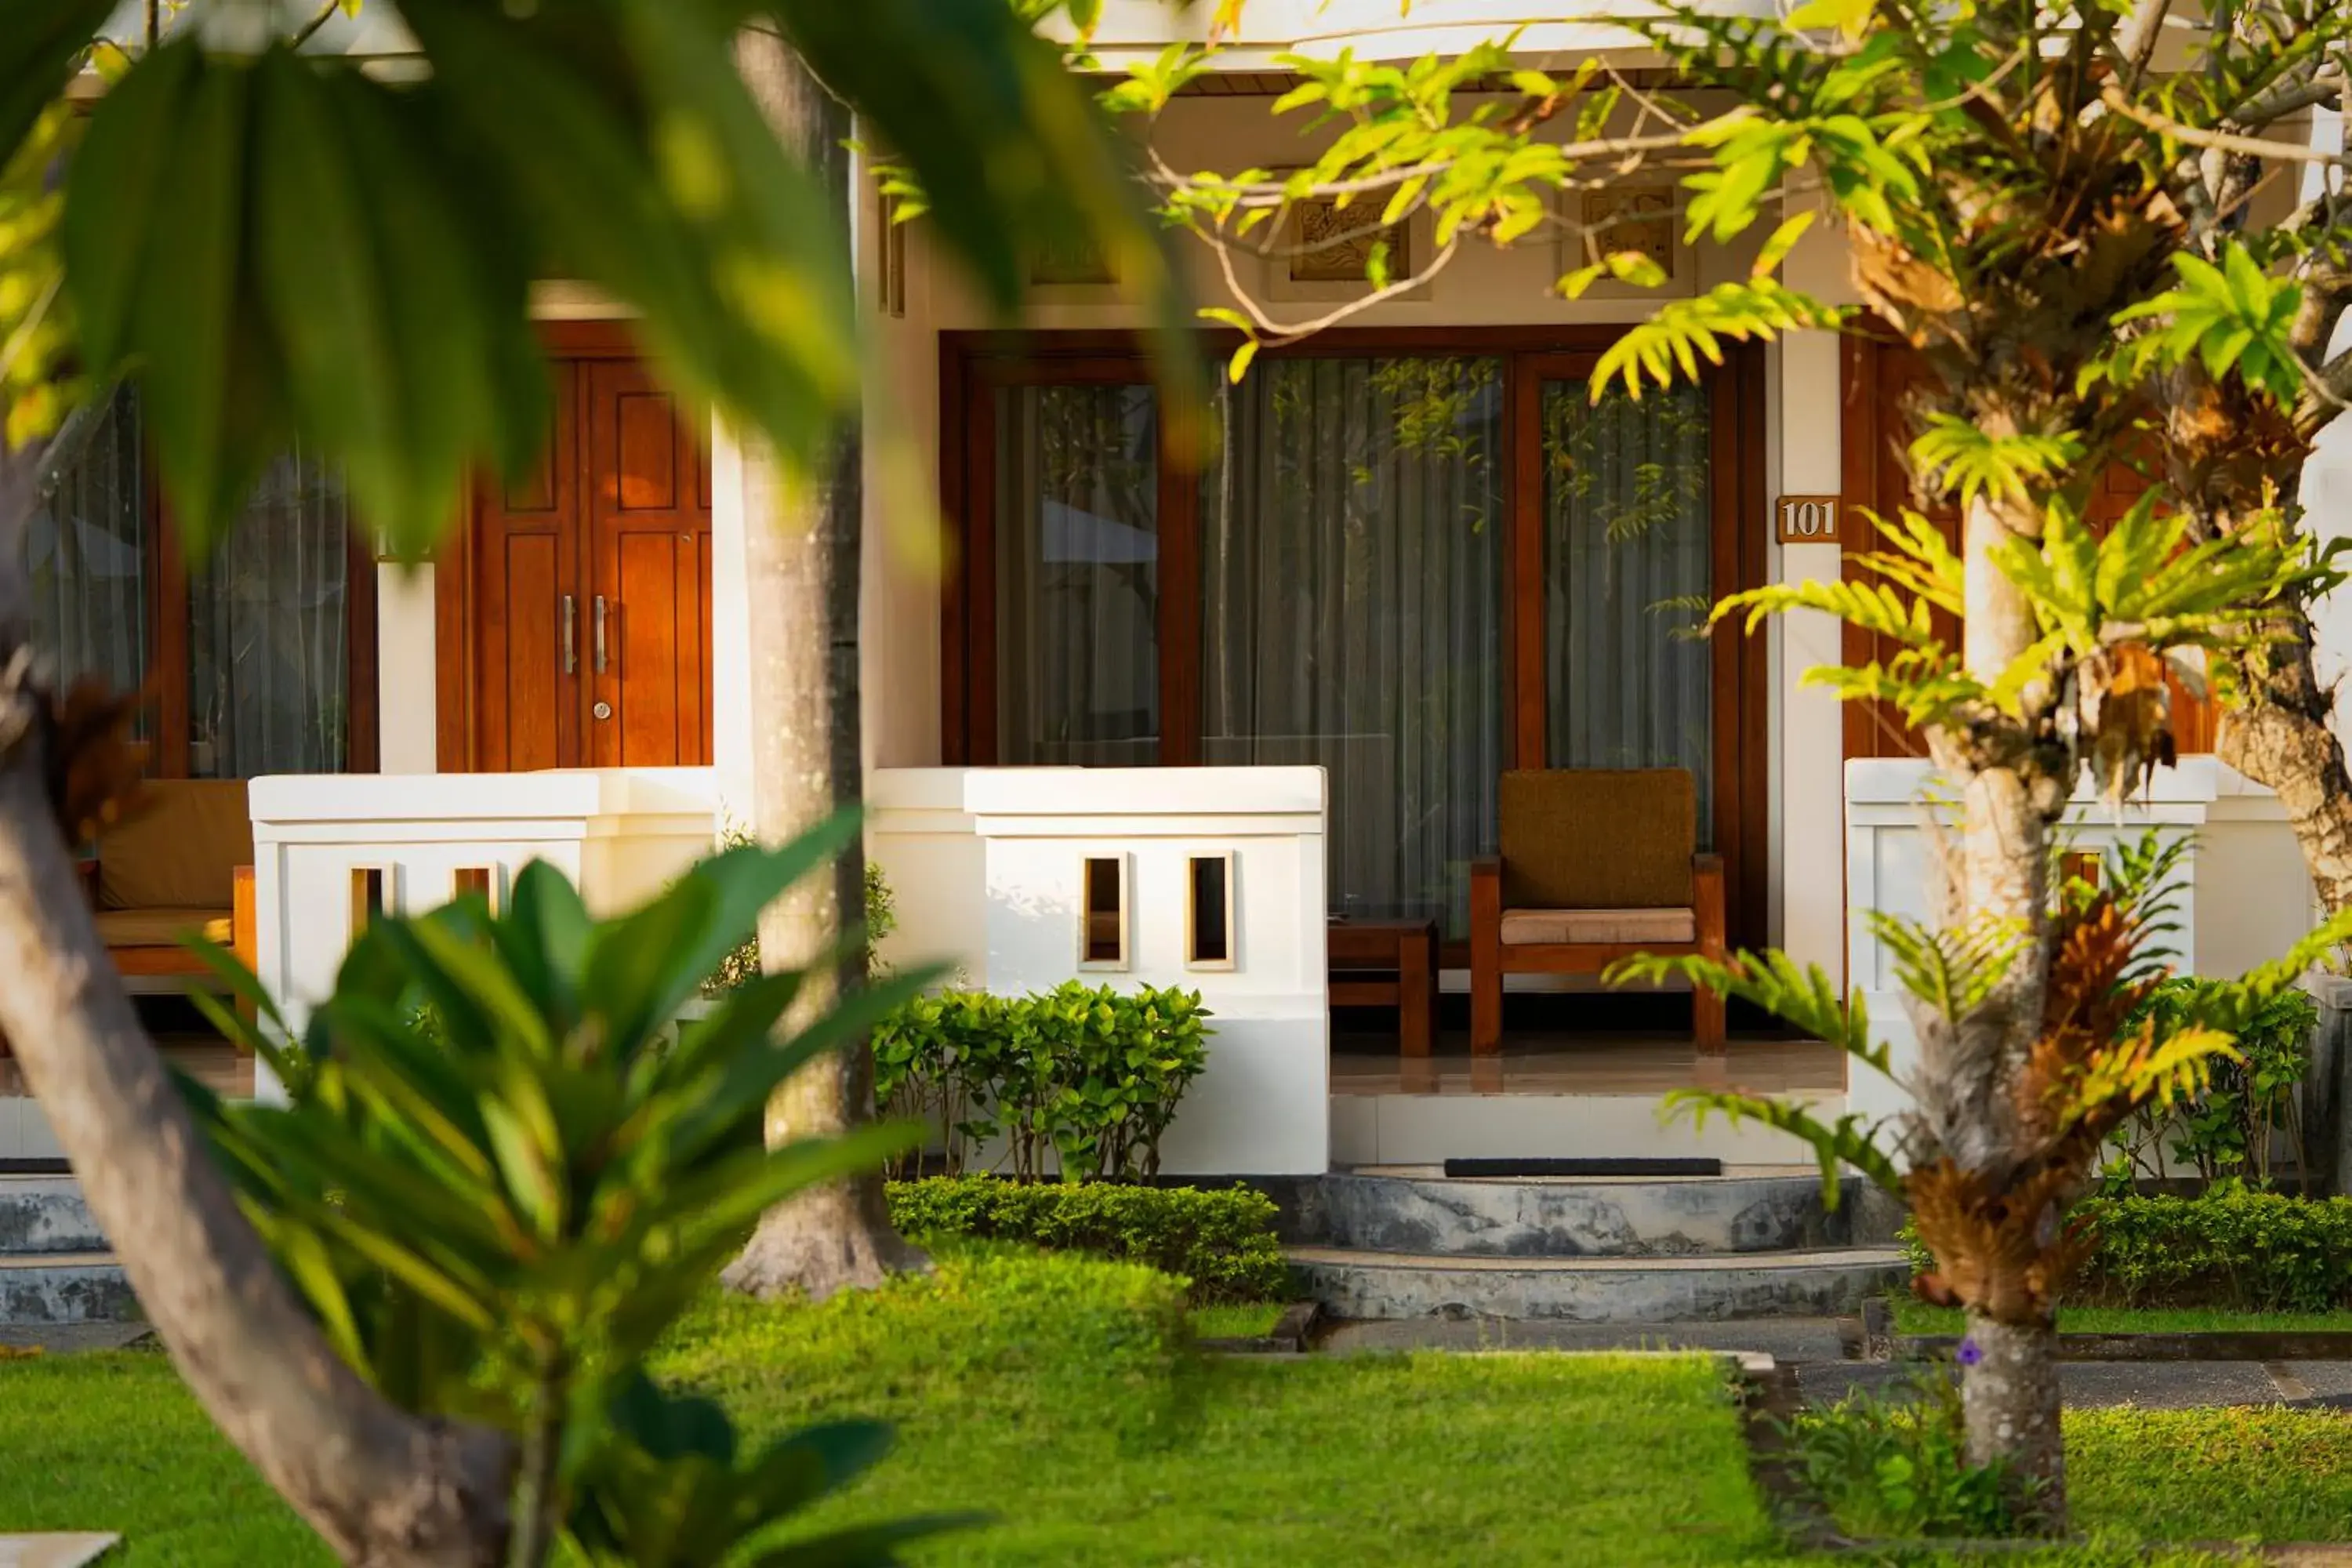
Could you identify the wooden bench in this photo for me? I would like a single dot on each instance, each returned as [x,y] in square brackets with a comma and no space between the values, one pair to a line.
[180,863]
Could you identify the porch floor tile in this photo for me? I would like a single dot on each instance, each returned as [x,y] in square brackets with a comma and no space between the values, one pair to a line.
[1584,1064]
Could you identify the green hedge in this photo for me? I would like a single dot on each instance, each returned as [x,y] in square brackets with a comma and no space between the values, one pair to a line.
[2235,1249]
[1222,1240]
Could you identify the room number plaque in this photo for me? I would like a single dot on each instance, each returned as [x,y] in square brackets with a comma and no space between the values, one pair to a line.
[1808,519]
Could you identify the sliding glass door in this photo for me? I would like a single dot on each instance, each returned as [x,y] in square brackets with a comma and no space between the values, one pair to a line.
[1411,566]
[1350,567]
[1077,573]
[1628,576]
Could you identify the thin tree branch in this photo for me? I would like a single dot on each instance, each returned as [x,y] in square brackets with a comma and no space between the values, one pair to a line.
[309,29]
[2217,140]
[1276,333]
[2139,35]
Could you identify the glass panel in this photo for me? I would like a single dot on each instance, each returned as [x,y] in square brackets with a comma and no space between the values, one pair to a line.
[1077,576]
[86,550]
[1350,562]
[269,633]
[1628,567]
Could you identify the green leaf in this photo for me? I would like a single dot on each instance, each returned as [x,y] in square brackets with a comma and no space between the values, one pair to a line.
[41,43]
[210,405]
[113,192]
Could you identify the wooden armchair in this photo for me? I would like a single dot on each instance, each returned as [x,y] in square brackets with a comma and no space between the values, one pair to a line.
[1596,864]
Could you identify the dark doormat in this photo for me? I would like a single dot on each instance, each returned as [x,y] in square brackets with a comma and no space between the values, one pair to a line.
[1584,1167]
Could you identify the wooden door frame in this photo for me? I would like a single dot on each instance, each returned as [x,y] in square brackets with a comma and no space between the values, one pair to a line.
[456,657]
[973,364]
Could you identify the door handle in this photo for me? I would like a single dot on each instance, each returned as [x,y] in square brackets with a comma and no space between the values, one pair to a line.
[600,634]
[571,636]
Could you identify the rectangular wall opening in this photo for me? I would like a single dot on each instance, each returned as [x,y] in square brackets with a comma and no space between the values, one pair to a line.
[1208,912]
[371,895]
[475,881]
[1102,940]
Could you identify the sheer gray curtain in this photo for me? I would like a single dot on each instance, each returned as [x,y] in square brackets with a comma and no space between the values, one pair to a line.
[86,549]
[1077,576]
[1628,562]
[1350,554]
[269,633]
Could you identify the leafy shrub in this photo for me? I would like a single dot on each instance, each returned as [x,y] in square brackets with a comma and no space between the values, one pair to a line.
[2229,1248]
[1896,1468]
[1068,1347]
[742,964]
[2227,1129]
[1220,1240]
[507,1171]
[1090,1073]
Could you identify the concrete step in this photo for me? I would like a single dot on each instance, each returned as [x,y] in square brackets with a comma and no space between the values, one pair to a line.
[1747,1209]
[1355,1284]
[46,1215]
[65,1287]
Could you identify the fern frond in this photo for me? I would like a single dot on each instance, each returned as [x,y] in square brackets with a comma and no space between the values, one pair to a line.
[1850,1139]
[1806,997]
[1953,970]
[1871,606]
[1669,345]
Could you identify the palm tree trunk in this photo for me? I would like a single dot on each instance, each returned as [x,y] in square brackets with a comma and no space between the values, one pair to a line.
[801,545]
[2011,1390]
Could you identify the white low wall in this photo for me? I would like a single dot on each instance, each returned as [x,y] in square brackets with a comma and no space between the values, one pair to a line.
[2245,896]
[620,834]
[987,866]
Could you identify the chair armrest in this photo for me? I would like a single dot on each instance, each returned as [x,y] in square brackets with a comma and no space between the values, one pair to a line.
[1707,902]
[244,920]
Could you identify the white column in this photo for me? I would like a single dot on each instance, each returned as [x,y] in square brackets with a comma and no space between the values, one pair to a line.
[407,663]
[1810,723]
[731,632]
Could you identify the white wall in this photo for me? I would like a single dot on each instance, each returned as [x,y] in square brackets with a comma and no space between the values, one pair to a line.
[987,864]
[2243,895]
[621,834]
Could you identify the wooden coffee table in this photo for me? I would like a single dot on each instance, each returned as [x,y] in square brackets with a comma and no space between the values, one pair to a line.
[1388,963]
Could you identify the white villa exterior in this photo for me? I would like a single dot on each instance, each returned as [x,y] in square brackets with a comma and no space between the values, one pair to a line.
[1080,652]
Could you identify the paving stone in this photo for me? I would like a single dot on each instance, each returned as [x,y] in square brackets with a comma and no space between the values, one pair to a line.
[53,1550]
[1783,1339]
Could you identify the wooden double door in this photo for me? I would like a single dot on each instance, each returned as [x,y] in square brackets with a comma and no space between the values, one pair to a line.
[580,608]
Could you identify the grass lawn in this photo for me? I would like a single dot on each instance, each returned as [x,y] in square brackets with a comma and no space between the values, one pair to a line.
[1060,1397]
[1915,1316]
[1238,1321]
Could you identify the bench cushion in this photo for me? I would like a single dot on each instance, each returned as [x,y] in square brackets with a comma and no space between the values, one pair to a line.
[1549,928]
[179,849]
[1597,838]
[163,927]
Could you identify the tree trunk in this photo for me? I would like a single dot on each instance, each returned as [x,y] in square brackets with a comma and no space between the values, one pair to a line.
[802,535]
[382,1485]
[2011,1396]
[2279,735]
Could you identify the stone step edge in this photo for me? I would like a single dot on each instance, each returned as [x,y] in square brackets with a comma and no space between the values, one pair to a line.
[1677,1263]
[25,1262]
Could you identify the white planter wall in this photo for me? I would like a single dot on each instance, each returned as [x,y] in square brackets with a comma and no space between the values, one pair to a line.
[987,866]
[620,834]
[2245,896]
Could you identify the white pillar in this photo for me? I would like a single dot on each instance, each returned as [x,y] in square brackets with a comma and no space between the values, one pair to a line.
[1811,725]
[731,632]
[407,655]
